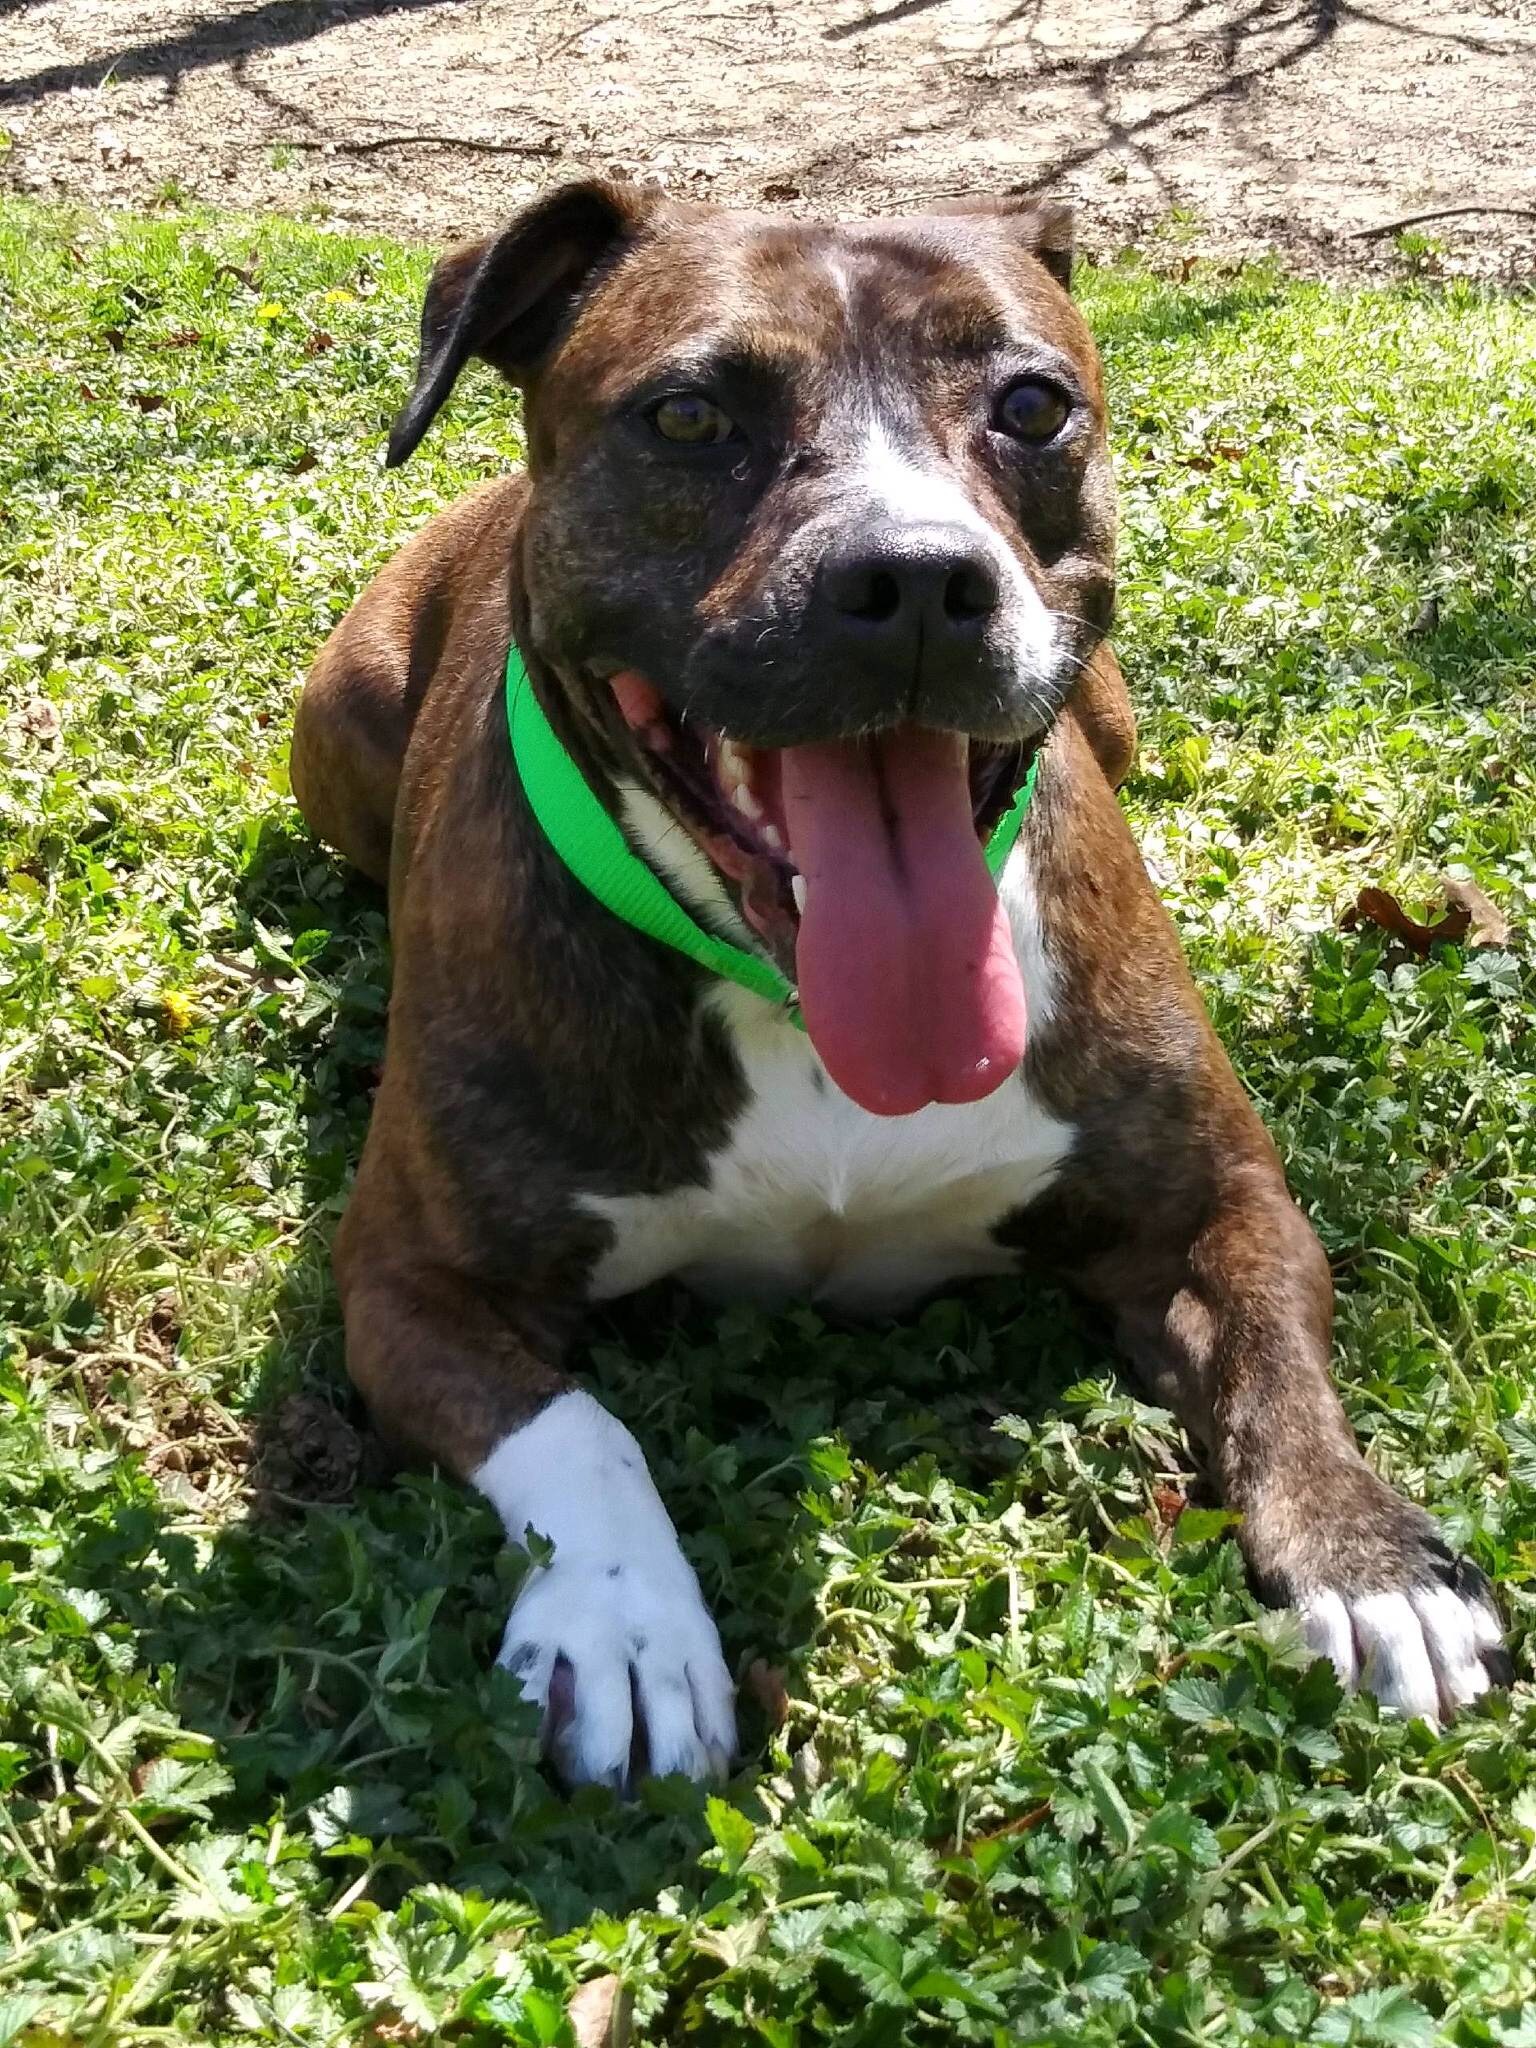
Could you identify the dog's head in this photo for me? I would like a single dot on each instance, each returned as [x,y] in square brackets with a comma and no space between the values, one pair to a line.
[820,536]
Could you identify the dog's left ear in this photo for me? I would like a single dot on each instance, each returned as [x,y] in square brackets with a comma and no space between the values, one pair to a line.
[1046,228]
[507,298]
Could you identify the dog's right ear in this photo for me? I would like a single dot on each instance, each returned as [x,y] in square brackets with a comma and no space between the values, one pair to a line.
[506,298]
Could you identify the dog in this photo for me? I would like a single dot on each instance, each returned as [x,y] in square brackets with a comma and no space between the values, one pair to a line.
[809,573]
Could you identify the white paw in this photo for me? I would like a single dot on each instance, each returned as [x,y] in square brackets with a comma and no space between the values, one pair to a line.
[611,1638]
[1425,1652]
[645,1669]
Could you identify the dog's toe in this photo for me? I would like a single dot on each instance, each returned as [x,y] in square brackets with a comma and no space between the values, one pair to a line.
[1424,1651]
[626,1666]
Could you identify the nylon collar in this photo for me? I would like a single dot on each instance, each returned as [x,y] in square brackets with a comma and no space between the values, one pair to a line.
[590,843]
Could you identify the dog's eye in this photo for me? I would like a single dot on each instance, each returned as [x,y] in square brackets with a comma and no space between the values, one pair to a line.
[1033,410]
[691,419]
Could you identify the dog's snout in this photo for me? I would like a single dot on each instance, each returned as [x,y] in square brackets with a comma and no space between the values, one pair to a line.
[917,585]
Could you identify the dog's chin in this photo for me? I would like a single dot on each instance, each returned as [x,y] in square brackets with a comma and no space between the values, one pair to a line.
[729,796]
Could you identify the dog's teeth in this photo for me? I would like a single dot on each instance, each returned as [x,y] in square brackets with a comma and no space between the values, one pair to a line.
[732,764]
[746,802]
[774,839]
[797,890]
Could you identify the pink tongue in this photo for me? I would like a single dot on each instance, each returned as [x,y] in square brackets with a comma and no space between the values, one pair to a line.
[908,982]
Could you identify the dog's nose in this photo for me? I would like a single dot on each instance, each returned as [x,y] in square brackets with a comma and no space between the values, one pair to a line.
[910,586]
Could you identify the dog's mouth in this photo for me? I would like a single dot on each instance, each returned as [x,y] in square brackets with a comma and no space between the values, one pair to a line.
[860,865]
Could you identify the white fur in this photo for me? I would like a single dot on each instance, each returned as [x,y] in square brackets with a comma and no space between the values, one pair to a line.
[841,283]
[914,494]
[670,850]
[618,1601]
[1419,1652]
[814,1196]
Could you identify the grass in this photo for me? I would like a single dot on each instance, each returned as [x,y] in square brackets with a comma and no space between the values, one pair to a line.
[1026,1763]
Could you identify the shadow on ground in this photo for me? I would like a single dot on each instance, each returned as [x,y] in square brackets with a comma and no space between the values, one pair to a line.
[222,40]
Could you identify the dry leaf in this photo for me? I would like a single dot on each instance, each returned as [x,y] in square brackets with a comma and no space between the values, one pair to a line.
[304,462]
[184,337]
[1489,926]
[40,720]
[1024,1824]
[148,401]
[1170,1504]
[765,1682]
[318,342]
[1381,908]
[599,2013]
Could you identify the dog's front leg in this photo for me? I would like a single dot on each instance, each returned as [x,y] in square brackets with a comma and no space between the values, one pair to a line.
[1234,1334]
[610,1636]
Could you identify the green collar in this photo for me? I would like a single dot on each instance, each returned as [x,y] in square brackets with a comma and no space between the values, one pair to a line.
[592,846]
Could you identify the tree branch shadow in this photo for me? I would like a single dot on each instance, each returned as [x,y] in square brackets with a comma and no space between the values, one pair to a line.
[275,25]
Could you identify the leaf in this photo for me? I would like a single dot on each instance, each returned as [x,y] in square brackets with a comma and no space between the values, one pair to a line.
[1520,1437]
[1203,1525]
[1489,926]
[16,2011]
[148,401]
[1197,1700]
[734,1834]
[874,1957]
[1170,1504]
[1176,1828]
[170,1786]
[1386,2019]
[40,719]
[1118,1822]
[600,2014]
[1109,1968]
[945,1987]
[400,1982]
[1381,908]
[214,1896]
[1523,1810]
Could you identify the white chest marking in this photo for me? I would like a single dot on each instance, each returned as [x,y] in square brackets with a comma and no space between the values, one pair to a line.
[813,1196]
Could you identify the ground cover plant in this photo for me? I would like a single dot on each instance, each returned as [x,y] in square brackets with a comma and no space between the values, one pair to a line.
[1025,1761]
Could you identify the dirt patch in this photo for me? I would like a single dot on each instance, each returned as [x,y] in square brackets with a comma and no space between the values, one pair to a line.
[1234,124]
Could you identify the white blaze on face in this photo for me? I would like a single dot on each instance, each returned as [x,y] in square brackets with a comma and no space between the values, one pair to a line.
[914,493]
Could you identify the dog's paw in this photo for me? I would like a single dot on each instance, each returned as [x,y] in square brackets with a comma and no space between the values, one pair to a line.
[611,1638]
[1425,1651]
[1380,1594]
[625,1661]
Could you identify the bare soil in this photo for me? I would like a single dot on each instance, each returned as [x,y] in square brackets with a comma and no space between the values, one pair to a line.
[1221,124]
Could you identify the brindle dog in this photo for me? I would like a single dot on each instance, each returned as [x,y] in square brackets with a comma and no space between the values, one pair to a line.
[813,557]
